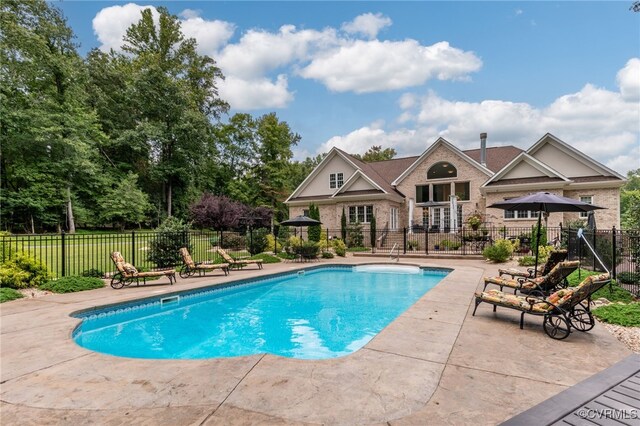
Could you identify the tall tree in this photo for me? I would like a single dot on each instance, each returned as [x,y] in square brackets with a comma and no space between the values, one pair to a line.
[175,98]
[49,135]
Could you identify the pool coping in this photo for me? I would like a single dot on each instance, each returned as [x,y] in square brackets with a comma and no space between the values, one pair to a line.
[398,374]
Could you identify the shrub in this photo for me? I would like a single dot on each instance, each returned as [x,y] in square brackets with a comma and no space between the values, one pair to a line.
[7,294]
[343,225]
[621,314]
[413,245]
[95,273]
[499,252]
[23,271]
[327,255]
[527,261]
[72,284]
[287,256]
[258,240]
[271,244]
[354,235]
[339,247]
[629,277]
[534,236]
[314,231]
[172,234]
[372,231]
[266,258]
[451,245]
[233,241]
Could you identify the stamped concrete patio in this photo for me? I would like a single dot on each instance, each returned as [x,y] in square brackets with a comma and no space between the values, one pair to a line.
[435,364]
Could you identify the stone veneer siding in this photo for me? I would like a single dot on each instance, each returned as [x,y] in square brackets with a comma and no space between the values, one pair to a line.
[466,172]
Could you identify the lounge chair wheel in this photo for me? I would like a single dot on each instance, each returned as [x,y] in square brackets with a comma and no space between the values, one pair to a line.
[117,281]
[581,319]
[556,327]
[185,272]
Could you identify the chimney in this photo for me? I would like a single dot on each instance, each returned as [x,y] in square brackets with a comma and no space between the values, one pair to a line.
[483,149]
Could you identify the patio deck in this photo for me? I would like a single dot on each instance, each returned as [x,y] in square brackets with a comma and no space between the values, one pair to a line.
[435,364]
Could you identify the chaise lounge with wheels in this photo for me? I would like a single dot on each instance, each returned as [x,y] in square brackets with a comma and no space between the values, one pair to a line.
[554,258]
[240,263]
[128,274]
[189,267]
[563,310]
[555,279]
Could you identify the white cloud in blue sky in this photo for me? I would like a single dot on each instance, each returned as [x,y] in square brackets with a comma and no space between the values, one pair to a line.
[367,54]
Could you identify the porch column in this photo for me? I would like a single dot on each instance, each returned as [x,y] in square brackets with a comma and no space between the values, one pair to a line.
[411,206]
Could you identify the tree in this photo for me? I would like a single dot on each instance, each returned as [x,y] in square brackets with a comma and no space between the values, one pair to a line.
[175,98]
[372,231]
[343,225]
[44,109]
[630,201]
[124,203]
[217,212]
[315,231]
[376,153]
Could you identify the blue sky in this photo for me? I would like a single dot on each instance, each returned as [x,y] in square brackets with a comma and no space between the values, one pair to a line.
[401,74]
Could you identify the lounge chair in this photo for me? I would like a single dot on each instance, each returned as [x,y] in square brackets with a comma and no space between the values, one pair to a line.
[556,278]
[563,310]
[189,267]
[240,263]
[128,274]
[554,258]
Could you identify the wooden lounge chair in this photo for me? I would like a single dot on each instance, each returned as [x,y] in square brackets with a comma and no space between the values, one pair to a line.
[241,263]
[555,279]
[128,274]
[554,258]
[563,310]
[189,267]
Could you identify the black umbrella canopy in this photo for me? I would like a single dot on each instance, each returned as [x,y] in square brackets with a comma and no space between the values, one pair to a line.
[546,202]
[300,221]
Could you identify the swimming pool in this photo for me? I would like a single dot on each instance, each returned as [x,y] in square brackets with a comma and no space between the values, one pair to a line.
[322,312]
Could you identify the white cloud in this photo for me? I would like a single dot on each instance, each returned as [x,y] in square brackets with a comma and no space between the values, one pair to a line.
[210,35]
[372,66]
[111,23]
[367,24]
[260,51]
[601,123]
[628,79]
[257,93]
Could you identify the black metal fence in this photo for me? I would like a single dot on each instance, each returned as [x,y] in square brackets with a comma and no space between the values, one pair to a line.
[619,251]
[75,254]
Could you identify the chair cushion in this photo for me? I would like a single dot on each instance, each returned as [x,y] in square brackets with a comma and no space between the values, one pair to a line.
[129,268]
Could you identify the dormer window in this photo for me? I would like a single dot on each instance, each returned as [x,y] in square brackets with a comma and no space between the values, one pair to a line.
[336,180]
[442,170]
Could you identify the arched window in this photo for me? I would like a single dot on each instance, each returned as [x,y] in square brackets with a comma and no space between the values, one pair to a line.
[442,170]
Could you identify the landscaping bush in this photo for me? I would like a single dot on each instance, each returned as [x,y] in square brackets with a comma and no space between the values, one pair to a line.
[286,256]
[534,236]
[499,252]
[7,294]
[314,231]
[620,314]
[258,241]
[271,244]
[95,273]
[354,235]
[233,241]
[527,261]
[23,271]
[266,258]
[72,284]
[339,247]
[629,277]
[172,235]
[450,245]
[413,245]
[327,255]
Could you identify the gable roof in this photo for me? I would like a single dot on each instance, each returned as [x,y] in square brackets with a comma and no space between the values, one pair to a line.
[497,156]
[433,147]
[371,172]
[548,174]
[359,174]
[573,152]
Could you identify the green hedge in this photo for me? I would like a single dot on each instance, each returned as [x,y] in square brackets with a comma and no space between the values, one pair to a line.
[73,284]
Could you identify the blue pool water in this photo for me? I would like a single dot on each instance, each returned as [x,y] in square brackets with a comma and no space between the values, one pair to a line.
[322,313]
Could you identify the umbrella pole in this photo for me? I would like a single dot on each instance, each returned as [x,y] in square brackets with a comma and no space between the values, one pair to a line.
[535,271]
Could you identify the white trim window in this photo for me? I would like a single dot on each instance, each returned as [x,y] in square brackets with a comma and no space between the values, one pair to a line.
[585,199]
[361,214]
[520,214]
[336,180]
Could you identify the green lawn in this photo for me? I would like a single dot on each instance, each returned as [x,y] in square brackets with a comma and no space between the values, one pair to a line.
[86,251]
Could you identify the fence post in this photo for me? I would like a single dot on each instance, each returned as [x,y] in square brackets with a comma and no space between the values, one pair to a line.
[63,254]
[404,240]
[613,251]
[133,247]
[593,242]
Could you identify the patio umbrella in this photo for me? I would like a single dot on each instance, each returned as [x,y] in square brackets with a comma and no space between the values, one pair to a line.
[544,202]
[300,221]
